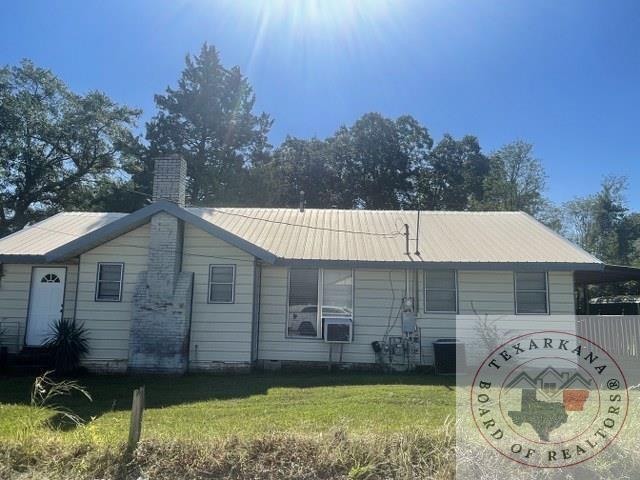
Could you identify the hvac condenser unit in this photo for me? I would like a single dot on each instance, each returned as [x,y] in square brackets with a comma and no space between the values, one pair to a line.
[338,330]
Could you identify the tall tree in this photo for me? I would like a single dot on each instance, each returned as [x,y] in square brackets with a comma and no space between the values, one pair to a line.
[300,166]
[54,144]
[516,180]
[376,156]
[209,120]
[453,176]
[601,224]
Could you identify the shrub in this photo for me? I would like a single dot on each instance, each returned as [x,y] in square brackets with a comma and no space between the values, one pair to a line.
[68,344]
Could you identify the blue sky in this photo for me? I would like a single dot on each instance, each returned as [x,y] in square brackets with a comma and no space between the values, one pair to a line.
[562,75]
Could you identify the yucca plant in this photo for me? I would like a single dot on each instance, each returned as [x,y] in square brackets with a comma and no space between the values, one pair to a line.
[68,344]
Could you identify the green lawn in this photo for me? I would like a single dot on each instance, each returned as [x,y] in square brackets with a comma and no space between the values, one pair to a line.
[201,407]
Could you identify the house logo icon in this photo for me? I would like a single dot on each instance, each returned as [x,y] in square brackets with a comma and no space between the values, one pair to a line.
[549,399]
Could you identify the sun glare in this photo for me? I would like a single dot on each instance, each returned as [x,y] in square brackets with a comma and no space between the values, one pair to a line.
[329,14]
[331,25]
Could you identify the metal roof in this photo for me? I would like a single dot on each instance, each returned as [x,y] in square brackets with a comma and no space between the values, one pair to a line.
[615,299]
[42,237]
[326,236]
[377,235]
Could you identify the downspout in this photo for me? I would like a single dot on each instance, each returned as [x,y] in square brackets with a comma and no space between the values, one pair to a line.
[75,300]
[416,300]
[255,320]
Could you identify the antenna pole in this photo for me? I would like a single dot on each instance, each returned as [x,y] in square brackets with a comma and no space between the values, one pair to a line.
[418,234]
[406,237]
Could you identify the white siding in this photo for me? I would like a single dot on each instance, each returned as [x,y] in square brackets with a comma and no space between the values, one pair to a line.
[219,332]
[490,296]
[15,284]
[375,311]
[108,323]
[377,298]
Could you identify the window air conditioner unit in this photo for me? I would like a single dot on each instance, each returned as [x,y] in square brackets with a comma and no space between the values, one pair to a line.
[338,330]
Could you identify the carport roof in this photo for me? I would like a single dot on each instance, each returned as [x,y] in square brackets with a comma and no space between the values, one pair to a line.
[608,274]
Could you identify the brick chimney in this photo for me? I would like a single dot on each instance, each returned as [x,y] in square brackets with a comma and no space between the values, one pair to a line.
[170,179]
[159,335]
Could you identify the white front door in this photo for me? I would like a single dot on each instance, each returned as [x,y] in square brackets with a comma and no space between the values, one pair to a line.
[45,303]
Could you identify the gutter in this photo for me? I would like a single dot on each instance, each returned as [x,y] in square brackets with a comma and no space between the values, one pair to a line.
[515,266]
[9,258]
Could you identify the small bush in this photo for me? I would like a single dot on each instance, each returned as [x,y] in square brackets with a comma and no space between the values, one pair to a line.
[68,344]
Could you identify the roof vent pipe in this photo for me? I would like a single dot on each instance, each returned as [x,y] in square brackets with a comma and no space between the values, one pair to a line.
[302,202]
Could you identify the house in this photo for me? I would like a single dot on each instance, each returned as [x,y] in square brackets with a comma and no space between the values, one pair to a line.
[171,288]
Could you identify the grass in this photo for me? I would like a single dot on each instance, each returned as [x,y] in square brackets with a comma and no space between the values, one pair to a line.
[355,426]
[355,422]
[209,406]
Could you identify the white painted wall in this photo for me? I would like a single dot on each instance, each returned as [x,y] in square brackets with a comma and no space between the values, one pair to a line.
[14,300]
[108,323]
[220,333]
[377,299]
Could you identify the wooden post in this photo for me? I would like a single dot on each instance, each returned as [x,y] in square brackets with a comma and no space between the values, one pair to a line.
[135,427]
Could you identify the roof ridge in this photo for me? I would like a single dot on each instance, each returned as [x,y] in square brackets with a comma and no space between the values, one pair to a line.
[90,213]
[355,210]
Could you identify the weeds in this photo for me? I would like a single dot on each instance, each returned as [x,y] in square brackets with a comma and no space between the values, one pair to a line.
[45,391]
[286,457]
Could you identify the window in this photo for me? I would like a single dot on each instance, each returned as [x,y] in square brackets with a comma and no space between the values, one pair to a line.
[222,280]
[531,292]
[441,291]
[50,278]
[337,293]
[109,282]
[303,303]
[314,294]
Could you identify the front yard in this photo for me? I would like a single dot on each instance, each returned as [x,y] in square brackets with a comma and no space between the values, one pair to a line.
[352,420]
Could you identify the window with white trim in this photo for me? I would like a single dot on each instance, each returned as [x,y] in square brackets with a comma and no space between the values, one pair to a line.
[440,291]
[222,279]
[531,292]
[109,282]
[315,294]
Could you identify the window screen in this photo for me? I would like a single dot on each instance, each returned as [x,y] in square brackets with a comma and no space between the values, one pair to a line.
[531,292]
[302,320]
[337,293]
[440,291]
[221,283]
[109,282]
